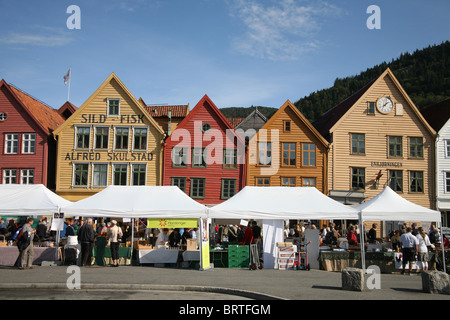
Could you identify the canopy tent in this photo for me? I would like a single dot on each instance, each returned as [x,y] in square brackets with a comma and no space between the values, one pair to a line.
[29,200]
[276,204]
[282,203]
[390,206]
[138,202]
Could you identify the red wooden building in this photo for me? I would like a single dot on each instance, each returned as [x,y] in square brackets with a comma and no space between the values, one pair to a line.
[204,157]
[27,150]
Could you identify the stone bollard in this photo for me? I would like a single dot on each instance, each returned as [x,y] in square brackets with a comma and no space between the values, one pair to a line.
[435,282]
[353,279]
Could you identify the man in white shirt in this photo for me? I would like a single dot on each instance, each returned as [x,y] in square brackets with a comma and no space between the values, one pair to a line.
[410,247]
[163,238]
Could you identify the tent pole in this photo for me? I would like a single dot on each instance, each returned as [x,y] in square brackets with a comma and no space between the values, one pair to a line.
[442,246]
[132,237]
[361,236]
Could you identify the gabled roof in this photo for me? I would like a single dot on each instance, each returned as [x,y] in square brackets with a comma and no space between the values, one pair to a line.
[206,100]
[112,77]
[67,108]
[335,115]
[255,113]
[288,104]
[235,121]
[47,118]
[178,111]
[437,114]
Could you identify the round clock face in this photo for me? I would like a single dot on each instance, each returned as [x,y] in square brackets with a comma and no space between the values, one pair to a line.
[385,105]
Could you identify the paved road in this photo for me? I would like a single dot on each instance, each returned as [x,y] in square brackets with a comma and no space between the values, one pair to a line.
[240,283]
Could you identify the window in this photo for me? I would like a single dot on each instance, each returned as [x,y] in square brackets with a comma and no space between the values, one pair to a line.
[228,188]
[138,174]
[447,148]
[206,127]
[179,157]
[198,188]
[262,182]
[100,175]
[416,147]
[287,126]
[113,107]
[371,108]
[416,181]
[447,182]
[10,176]
[82,137]
[395,147]
[28,142]
[358,143]
[81,171]
[358,178]
[140,139]
[199,158]
[230,159]
[309,154]
[120,174]
[309,182]
[101,138]
[11,143]
[265,153]
[180,182]
[27,176]
[121,138]
[288,182]
[396,180]
[3,116]
[288,153]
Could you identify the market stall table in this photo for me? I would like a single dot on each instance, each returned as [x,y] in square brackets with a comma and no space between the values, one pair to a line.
[124,256]
[157,256]
[9,254]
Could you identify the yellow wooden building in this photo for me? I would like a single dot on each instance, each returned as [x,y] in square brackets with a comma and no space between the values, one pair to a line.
[377,138]
[288,151]
[110,140]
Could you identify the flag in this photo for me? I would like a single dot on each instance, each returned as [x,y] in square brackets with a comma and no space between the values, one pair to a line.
[67,77]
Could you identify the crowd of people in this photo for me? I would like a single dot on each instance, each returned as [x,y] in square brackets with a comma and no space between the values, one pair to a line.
[241,234]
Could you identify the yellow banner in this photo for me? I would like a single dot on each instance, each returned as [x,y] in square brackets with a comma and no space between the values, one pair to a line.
[205,258]
[172,223]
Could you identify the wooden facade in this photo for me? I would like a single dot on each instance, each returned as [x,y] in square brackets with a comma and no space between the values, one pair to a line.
[110,140]
[288,151]
[26,146]
[377,142]
[204,157]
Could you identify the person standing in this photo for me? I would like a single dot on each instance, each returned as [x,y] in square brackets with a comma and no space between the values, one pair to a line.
[410,248]
[424,243]
[372,237]
[28,252]
[86,237]
[114,234]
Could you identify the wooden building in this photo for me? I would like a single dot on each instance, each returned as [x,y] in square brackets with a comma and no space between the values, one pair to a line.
[438,116]
[204,157]
[377,138]
[288,151]
[28,150]
[110,140]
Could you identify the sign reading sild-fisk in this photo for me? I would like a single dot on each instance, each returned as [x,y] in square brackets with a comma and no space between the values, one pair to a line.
[110,140]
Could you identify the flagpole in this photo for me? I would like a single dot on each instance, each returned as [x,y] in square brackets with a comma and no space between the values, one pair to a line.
[68,90]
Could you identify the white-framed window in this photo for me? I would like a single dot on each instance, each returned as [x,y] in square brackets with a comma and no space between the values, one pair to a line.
[99,175]
[101,138]
[27,176]
[120,174]
[11,143]
[138,174]
[140,138]
[82,137]
[113,107]
[9,176]
[447,182]
[80,175]
[447,148]
[121,138]
[29,143]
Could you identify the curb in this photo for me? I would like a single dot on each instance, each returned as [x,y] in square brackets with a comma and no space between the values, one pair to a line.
[140,287]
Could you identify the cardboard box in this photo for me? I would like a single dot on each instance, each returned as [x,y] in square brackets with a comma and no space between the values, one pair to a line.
[286,255]
[287,249]
[191,245]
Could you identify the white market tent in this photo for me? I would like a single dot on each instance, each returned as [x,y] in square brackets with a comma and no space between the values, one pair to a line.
[389,206]
[282,203]
[274,205]
[138,202]
[29,200]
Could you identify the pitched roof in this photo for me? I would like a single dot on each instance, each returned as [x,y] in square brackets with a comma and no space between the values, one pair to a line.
[437,114]
[234,121]
[336,114]
[255,113]
[178,111]
[45,117]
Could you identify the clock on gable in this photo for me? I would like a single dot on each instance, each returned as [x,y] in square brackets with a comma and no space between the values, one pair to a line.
[385,105]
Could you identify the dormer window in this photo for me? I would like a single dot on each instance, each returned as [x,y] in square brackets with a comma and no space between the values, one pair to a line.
[113,107]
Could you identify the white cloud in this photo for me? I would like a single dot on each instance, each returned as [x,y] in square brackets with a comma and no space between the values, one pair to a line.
[279,30]
[43,36]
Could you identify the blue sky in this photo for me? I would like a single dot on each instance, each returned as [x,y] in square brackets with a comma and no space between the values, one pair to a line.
[239,52]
